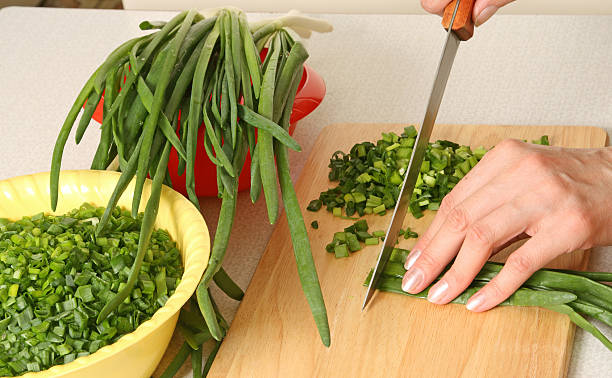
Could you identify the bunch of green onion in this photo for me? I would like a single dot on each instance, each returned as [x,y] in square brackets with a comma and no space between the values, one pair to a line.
[201,68]
[574,293]
[56,276]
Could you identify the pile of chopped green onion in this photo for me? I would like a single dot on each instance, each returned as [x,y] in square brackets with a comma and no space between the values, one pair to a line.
[370,176]
[574,293]
[56,276]
[350,239]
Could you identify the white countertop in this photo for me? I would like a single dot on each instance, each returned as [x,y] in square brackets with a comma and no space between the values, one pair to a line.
[522,70]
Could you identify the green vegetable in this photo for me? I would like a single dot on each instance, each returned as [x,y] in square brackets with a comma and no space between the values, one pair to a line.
[380,234]
[369,177]
[224,226]
[56,276]
[352,242]
[196,362]
[265,144]
[341,250]
[543,141]
[229,287]
[145,234]
[351,238]
[151,121]
[595,276]
[581,322]
[314,224]
[177,362]
[299,236]
[371,241]
[201,68]
[568,292]
[58,150]
[211,358]
[408,234]
[594,311]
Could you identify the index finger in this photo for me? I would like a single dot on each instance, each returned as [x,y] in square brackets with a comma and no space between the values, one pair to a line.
[435,6]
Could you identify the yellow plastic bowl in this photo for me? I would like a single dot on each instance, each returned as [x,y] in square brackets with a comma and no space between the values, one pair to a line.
[138,353]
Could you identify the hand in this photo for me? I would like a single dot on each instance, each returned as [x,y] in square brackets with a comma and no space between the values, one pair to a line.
[483,9]
[560,197]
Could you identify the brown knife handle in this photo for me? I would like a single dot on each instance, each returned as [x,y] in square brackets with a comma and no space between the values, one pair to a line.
[463,25]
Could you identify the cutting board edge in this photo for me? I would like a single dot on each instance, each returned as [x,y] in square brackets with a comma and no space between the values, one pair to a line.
[569,348]
[326,129]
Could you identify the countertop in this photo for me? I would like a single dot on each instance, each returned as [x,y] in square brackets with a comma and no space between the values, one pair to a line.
[517,70]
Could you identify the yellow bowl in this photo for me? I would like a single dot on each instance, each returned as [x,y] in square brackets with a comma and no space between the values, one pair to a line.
[138,353]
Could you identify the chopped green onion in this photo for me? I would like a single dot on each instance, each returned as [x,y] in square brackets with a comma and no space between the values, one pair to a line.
[341,250]
[373,173]
[55,277]
[352,242]
[379,234]
[314,205]
[372,241]
[340,237]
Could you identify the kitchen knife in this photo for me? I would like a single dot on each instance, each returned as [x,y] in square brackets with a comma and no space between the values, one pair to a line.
[458,20]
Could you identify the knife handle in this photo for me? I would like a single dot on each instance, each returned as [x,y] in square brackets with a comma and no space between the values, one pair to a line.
[463,25]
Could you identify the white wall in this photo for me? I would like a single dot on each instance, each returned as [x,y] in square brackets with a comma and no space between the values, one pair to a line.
[379,6]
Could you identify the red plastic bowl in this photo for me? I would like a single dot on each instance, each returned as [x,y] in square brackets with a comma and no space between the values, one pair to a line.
[309,95]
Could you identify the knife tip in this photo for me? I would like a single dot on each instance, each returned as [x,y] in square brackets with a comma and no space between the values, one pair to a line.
[365,302]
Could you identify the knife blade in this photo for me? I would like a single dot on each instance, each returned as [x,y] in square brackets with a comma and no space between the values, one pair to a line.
[458,20]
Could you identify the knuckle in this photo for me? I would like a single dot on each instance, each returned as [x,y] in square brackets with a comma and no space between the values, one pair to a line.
[498,291]
[556,186]
[447,204]
[515,206]
[481,234]
[520,264]
[535,161]
[458,219]
[457,278]
[507,146]
[581,221]
[428,262]
[423,240]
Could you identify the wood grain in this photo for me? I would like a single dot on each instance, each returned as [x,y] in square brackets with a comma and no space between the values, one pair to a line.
[273,334]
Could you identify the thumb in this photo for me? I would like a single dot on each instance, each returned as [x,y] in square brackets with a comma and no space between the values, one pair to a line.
[484,9]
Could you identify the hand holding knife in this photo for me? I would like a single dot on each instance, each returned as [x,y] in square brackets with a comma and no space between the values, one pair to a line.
[458,20]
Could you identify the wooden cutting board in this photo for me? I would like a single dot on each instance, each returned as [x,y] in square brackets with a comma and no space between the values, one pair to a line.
[273,334]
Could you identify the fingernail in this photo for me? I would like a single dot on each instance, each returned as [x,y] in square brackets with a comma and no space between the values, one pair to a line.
[475,302]
[437,292]
[412,258]
[412,280]
[485,14]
